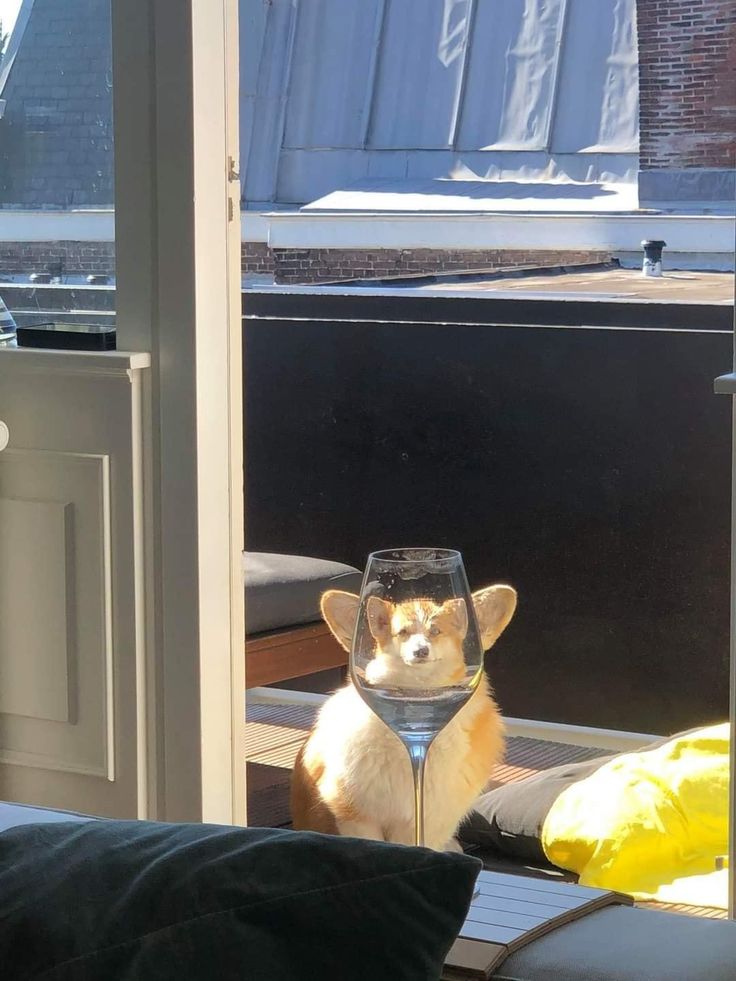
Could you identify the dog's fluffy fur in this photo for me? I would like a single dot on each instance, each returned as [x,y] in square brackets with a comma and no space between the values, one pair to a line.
[353,776]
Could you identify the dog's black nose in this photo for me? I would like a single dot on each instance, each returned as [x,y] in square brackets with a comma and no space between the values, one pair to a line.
[421,652]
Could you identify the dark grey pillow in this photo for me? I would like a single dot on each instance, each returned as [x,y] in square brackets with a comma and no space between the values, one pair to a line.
[508,821]
[133,900]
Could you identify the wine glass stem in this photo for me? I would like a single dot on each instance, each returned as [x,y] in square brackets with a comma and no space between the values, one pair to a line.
[418,755]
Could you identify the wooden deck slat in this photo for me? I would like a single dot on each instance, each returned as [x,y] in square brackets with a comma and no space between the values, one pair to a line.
[706,912]
[262,738]
[282,757]
[294,716]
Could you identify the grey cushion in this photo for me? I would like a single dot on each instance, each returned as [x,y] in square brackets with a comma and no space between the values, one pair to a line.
[509,820]
[284,590]
[625,944]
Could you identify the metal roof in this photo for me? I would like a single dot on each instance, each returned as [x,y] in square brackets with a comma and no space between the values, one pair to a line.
[56,130]
[339,91]
[336,93]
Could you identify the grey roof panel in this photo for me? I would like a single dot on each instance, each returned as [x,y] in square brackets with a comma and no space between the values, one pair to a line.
[302,172]
[510,85]
[420,74]
[56,133]
[598,99]
[265,140]
[252,28]
[332,69]
[306,175]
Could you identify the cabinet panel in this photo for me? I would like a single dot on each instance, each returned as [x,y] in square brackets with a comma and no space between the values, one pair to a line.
[75,694]
[56,709]
[35,563]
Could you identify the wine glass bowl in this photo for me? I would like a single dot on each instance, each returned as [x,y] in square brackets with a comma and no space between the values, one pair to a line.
[417,654]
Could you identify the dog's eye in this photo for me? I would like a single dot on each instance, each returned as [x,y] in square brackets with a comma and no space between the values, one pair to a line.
[404,632]
[433,631]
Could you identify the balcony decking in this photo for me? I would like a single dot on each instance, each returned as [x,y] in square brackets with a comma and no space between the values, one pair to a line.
[276,731]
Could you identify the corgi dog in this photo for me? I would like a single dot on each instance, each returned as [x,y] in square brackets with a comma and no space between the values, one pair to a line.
[353,776]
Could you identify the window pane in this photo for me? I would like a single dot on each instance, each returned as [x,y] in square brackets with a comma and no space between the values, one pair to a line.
[57,252]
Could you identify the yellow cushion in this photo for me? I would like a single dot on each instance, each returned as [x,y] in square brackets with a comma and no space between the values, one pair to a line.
[653,824]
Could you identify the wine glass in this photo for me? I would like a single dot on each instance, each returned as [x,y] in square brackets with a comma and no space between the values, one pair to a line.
[416,656]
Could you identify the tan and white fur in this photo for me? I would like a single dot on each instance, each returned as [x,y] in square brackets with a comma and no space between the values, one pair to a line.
[353,776]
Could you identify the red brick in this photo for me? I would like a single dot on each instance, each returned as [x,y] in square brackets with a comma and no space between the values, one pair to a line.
[73,258]
[326,265]
[687,46]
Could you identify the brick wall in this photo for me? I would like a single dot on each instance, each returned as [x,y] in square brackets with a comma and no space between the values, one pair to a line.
[82,258]
[328,265]
[256,257]
[687,81]
[71,258]
[292,265]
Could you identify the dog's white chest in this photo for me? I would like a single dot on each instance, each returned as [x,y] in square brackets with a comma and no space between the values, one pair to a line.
[371,768]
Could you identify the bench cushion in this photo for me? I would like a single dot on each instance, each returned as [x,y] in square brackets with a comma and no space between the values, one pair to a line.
[284,590]
[625,944]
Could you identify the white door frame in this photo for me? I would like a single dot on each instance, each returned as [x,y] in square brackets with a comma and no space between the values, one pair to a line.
[175,66]
[726,385]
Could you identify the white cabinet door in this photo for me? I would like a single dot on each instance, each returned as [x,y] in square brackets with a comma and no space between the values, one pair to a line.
[72,631]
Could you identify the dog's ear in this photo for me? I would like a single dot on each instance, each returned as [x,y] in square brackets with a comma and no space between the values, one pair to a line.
[494,607]
[454,612]
[379,618]
[340,610]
